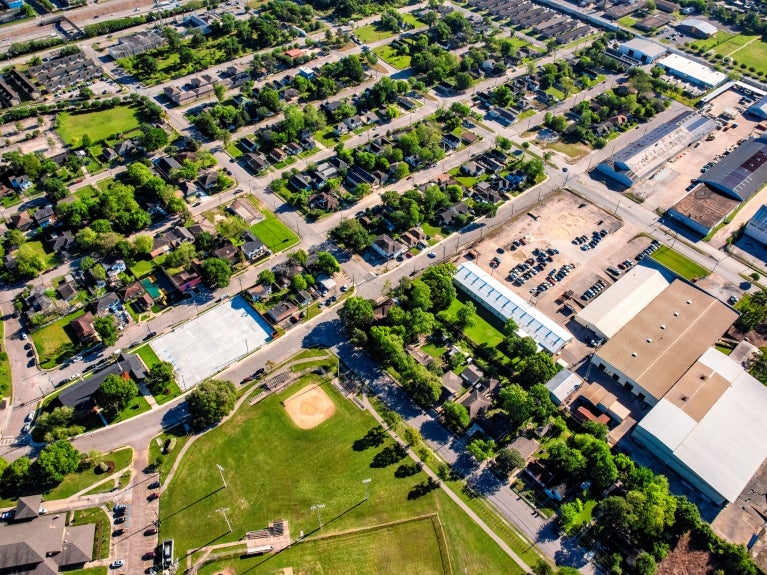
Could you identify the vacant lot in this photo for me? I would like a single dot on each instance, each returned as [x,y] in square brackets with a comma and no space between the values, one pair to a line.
[54,343]
[275,470]
[275,235]
[99,125]
[393,57]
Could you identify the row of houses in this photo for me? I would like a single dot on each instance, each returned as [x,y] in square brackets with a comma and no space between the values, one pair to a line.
[544,21]
[64,71]
[202,85]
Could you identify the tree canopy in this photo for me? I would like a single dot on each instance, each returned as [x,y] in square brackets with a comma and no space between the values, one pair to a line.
[211,401]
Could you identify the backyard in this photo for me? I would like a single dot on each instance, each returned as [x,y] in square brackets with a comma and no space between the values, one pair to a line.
[276,478]
[392,56]
[481,332]
[99,124]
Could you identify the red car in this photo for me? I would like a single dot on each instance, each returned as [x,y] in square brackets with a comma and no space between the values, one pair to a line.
[148,555]
[154,495]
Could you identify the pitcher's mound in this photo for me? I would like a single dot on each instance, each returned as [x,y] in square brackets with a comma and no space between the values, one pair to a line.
[309,407]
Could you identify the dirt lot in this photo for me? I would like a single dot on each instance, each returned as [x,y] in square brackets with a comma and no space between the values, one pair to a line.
[668,185]
[14,137]
[560,220]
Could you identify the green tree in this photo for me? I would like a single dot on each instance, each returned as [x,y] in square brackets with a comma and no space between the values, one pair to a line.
[182,256]
[106,327]
[466,316]
[152,138]
[508,460]
[143,245]
[481,449]
[351,234]
[439,278]
[357,313]
[29,262]
[115,393]
[161,375]
[232,228]
[538,368]
[211,401]
[54,462]
[266,277]
[15,477]
[216,273]
[220,91]
[327,263]
[456,415]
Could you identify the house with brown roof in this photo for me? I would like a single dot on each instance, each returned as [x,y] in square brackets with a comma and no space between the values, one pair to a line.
[387,247]
[281,312]
[324,201]
[82,328]
[229,253]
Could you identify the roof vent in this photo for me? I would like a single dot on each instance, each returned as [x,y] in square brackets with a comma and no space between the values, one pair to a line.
[684,398]
[676,314]
[633,354]
[688,302]
[649,340]
[663,326]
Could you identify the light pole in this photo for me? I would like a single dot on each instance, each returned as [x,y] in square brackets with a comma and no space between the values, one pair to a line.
[318,508]
[221,471]
[366,483]
[222,511]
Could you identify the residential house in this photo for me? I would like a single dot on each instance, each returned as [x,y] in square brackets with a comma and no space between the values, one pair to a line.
[471,374]
[143,302]
[324,201]
[131,292]
[68,291]
[448,215]
[109,155]
[280,312]
[208,180]
[80,395]
[306,140]
[229,253]
[472,168]
[387,247]
[184,280]
[603,129]
[20,183]
[340,129]
[468,138]
[82,328]
[294,53]
[484,192]
[179,235]
[260,292]
[277,156]
[413,237]
[166,165]
[61,241]
[450,142]
[353,123]
[303,298]
[249,144]
[44,216]
[253,247]
[381,309]
[452,383]
[160,246]
[127,147]
[102,305]
[117,268]
[293,148]
[300,182]
[38,301]
[256,162]
[290,94]
[357,175]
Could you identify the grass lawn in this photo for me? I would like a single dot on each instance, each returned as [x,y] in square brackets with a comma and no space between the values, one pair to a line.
[168,458]
[678,264]
[86,192]
[436,351]
[627,21]
[165,395]
[275,235]
[277,478]
[148,356]
[412,547]
[5,368]
[99,124]
[53,342]
[104,185]
[234,150]
[137,406]
[103,529]
[89,571]
[392,57]
[573,151]
[76,482]
[479,333]
[372,33]
[39,249]
[142,268]
[328,138]
[433,232]
[754,54]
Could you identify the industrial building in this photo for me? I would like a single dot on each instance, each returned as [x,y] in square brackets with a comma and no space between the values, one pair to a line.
[703,209]
[136,44]
[759,109]
[646,154]
[757,226]
[660,343]
[697,28]
[691,71]
[641,50]
[742,173]
[611,311]
[505,304]
[710,427]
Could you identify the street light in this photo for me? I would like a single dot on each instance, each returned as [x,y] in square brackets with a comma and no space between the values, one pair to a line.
[318,508]
[222,511]
[366,483]
[221,471]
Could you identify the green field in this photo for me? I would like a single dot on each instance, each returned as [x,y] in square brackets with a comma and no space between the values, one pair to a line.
[99,124]
[275,235]
[168,458]
[147,355]
[76,482]
[275,470]
[393,57]
[479,333]
[142,268]
[89,571]
[678,263]
[743,49]
[137,406]
[410,548]
[53,342]
[5,368]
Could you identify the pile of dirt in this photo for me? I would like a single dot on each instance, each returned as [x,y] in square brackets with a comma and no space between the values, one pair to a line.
[687,559]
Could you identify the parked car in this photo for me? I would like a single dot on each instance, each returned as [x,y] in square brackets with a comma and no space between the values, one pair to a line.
[148,555]
[152,496]
[154,485]
[150,531]
[117,564]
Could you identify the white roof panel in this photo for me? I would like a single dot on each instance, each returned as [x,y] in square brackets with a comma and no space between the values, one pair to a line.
[693,69]
[495,296]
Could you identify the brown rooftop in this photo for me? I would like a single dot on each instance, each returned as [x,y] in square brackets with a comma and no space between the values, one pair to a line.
[705,206]
[667,337]
[698,390]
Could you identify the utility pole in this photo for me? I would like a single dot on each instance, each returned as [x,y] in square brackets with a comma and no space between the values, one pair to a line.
[222,511]
[221,471]
[318,508]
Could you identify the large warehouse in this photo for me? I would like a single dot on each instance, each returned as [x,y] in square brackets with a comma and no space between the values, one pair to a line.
[702,209]
[743,172]
[505,304]
[710,427]
[642,50]
[645,155]
[607,314]
[757,226]
[653,350]
[691,71]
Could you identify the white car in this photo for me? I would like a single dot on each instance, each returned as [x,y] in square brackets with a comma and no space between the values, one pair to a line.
[42,511]
[117,564]
[24,335]
[30,416]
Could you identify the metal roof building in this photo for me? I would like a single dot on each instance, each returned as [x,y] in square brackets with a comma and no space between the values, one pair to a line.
[757,225]
[645,51]
[692,71]
[653,350]
[759,109]
[607,314]
[742,173]
[710,427]
[505,304]
[697,27]
[646,154]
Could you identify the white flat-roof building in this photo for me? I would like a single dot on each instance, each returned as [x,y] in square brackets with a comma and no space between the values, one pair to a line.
[692,71]
[563,385]
[645,51]
[505,304]
[757,225]
[710,427]
[697,27]
[607,314]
